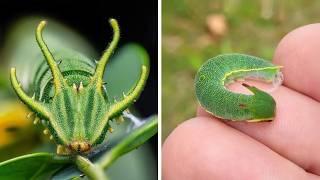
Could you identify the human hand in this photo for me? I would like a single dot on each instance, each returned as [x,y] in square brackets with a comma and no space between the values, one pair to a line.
[287,148]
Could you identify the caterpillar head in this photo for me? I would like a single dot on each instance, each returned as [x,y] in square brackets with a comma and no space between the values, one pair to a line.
[78,115]
[262,107]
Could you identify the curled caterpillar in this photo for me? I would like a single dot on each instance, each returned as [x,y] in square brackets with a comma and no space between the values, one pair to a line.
[70,97]
[221,70]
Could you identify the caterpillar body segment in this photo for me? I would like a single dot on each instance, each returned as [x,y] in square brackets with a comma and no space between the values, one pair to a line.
[214,97]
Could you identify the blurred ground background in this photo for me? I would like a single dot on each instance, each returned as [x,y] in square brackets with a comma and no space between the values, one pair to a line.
[194,31]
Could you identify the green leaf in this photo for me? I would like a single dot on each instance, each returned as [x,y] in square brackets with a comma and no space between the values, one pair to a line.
[32,166]
[132,141]
[124,68]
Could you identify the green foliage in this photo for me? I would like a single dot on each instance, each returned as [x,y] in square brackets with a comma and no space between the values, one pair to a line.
[32,166]
[125,67]
[131,142]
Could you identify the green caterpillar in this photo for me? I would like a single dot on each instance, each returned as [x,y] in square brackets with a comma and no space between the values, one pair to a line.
[221,70]
[70,96]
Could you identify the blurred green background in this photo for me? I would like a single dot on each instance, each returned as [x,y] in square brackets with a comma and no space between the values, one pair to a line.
[194,31]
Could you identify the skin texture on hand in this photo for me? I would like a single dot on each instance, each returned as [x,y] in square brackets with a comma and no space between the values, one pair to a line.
[287,148]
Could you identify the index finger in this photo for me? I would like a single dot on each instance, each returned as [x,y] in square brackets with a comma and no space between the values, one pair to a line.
[299,54]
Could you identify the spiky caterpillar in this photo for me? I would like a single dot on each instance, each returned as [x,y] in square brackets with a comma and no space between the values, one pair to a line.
[70,97]
[221,70]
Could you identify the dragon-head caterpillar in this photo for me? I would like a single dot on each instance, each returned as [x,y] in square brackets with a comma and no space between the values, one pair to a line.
[70,97]
[217,72]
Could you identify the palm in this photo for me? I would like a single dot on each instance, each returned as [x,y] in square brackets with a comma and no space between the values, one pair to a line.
[287,148]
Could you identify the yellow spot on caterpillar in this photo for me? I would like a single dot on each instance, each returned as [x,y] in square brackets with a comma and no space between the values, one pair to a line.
[36,120]
[110,129]
[80,146]
[260,120]
[29,115]
[80,86]
[46,131]
[33,96]
[120,120]
[74,86]
[63,150]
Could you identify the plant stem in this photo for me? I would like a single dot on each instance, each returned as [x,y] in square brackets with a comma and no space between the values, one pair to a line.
[93,172]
